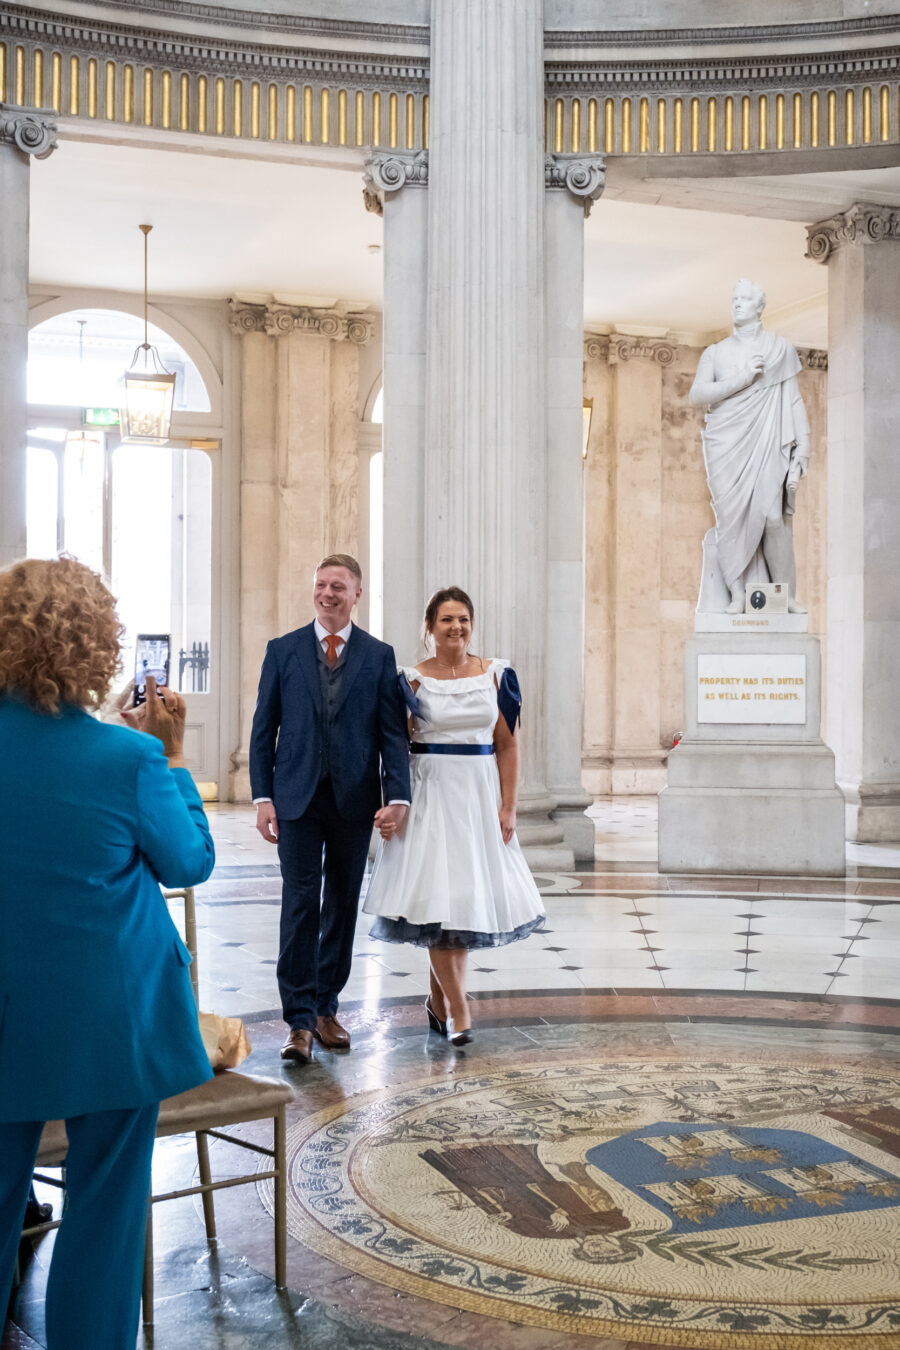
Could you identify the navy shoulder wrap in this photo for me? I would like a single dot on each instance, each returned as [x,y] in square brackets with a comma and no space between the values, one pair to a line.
[509,698]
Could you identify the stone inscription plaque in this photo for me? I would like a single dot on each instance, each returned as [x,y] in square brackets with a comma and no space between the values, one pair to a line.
[751,688]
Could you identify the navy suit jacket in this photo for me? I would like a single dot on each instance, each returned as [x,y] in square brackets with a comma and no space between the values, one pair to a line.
[369,741]
[96,1007]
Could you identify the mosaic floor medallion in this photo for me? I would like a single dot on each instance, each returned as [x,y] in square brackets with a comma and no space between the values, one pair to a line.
[706,1204]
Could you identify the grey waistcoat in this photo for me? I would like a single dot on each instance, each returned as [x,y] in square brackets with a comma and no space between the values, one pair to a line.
[330,681]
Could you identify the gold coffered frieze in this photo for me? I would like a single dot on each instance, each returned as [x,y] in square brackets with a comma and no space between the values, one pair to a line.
[610,94]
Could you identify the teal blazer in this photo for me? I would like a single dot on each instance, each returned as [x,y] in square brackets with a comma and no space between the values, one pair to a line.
[96,1007]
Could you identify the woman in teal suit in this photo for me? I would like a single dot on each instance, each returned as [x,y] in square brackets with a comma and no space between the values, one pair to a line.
[97,1018]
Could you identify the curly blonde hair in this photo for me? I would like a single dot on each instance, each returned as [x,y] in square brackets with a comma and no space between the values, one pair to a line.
[59,634]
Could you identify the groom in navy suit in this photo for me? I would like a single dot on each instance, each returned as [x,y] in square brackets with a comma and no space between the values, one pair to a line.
[328,739]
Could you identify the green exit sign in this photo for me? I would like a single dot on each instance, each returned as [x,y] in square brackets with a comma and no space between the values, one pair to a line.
[101,417]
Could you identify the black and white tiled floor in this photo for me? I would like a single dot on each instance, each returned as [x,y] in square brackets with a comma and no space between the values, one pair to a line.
[620,926]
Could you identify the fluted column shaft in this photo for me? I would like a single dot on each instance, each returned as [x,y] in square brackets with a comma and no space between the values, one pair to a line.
[485,450]
[862,250]
[23,133]
[396,187]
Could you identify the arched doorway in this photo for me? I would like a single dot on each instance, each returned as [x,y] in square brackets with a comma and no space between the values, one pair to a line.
[141,516]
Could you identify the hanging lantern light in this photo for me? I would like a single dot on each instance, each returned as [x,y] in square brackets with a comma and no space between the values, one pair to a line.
[149,389]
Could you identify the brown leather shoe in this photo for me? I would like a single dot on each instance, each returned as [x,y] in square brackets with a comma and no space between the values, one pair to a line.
[298,1046]
[331,1034]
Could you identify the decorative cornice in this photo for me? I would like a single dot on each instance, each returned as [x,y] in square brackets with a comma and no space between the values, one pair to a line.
[387,171]
[577,78]
[28,130]
[211,56]
[277,319]
[813,358]
[226,17]
[862,224]
[657,37]
[582,176]
[623,348]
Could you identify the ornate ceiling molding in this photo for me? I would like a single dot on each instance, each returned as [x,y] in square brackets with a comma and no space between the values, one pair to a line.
[582,176]
[769,33]
[276,319]
[313,25]
[28,130]
[862,224]
[389,171]
[212,56]
[769,70]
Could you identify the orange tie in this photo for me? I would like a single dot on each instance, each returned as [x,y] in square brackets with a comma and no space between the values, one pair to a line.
[332,642]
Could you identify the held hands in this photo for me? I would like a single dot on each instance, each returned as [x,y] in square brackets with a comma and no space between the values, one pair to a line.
[507,822]
[163,718]
[390,821]
[267,822]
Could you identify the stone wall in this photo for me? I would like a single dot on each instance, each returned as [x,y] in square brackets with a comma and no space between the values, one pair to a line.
[646,511]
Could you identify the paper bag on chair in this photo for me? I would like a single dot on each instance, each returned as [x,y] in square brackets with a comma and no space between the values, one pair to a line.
[224,1040]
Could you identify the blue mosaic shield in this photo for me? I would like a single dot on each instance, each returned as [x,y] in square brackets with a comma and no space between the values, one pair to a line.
[704,1177]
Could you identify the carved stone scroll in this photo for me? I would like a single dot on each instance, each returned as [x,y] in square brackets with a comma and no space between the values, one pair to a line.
[277,319]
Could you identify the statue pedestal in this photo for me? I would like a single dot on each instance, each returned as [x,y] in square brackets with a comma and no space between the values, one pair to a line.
[751,785]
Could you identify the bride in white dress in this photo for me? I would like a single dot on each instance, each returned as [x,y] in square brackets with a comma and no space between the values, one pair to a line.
[455,878]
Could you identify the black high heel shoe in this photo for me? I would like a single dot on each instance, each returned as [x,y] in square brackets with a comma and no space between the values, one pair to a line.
[434,1022]
[463,1037]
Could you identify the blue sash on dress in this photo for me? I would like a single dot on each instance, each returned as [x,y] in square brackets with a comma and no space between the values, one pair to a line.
[418,748]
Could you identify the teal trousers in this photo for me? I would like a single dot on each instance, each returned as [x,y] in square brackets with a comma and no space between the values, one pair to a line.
[94,1286]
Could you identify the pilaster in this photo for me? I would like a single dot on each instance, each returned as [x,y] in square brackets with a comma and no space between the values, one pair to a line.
[299,472]
[24,133]
[861,248]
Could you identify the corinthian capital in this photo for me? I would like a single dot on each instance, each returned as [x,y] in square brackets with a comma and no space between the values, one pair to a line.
[862,224]
[391,170]
[276,319]
[582,176]
[28,130]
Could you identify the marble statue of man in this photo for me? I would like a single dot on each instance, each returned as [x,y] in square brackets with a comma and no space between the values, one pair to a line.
[756,449]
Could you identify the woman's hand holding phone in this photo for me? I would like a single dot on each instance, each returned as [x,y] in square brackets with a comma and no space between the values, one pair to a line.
[162,717]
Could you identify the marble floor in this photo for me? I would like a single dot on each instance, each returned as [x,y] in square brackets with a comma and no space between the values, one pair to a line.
[637,977]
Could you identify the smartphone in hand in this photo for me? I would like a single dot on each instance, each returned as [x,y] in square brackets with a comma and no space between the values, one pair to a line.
[151,657]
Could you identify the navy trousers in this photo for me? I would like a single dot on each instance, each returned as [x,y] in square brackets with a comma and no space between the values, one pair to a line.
[94,1286]
[323,861]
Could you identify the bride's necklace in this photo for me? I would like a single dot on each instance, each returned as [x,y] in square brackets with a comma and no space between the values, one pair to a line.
[444,665]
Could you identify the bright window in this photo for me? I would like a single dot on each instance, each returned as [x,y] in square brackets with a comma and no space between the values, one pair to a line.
[77,360]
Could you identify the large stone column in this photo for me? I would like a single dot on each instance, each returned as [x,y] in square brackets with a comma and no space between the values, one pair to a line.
[485,444]
[573,183]
[23,132]
[395,189]
[862,249]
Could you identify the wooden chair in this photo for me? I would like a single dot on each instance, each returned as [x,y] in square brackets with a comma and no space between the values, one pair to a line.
[228,1099]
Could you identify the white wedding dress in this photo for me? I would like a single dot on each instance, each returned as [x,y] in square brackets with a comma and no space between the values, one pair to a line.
[450,880]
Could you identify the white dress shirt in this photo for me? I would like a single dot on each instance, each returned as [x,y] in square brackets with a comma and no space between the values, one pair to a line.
[344,634]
